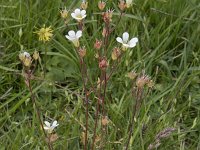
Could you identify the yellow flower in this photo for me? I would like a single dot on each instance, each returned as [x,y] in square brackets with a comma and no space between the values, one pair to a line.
[45,33]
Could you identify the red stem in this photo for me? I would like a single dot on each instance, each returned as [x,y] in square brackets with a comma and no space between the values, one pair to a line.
[97,113]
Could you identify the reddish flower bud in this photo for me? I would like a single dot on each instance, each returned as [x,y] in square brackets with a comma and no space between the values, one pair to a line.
[103,64]
[98,44]
[82,52]
[101,5]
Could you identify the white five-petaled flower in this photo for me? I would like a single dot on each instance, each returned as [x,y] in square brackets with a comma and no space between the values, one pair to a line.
[50,127]
[74,37]
[78,14]
[125,41]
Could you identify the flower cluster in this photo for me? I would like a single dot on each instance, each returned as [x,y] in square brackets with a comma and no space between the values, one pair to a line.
[25,58]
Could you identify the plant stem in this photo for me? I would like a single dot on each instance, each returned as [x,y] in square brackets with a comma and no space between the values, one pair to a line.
[135,108]
[97,113]
[37,111]
[45,59]
[104,94]
[83,71]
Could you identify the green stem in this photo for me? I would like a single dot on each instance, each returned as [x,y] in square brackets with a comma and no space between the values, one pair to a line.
[37,111]
[45,59]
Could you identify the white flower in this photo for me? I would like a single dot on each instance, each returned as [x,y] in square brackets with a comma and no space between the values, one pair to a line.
[78,14]
[74,37]
[125,41]
[129,3]
[50,127]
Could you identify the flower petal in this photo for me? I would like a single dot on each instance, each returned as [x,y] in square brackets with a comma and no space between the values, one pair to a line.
[71,33]
[26,54]
[132,42]
[119,40]
[77,11]
[78,34]
[73,15]
[83,16]
[83,12]
[46,128]
[54,124]
[69,38]
[47,123]
[125,37]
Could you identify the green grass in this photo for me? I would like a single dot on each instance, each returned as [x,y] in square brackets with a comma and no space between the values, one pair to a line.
[168,49]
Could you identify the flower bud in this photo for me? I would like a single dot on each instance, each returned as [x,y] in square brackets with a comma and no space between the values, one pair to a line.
[104,121]
[64,13]
[103,64]
[142,81]
[36,55]
[129,3]
[96,55]
[25,58]
[84,5]
[98,44]
[150,84]
[101,5]
[21,56]
[82,52]
[132,75]
[107,16]
[116,53]
[122,5]
[27,62]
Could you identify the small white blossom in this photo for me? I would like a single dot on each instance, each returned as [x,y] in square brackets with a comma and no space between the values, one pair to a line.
[129,3]
[125,41]
[74,37]
[78,14]
[26,54]
[50,127]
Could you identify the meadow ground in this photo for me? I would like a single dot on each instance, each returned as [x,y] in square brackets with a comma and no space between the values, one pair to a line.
[168,50]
